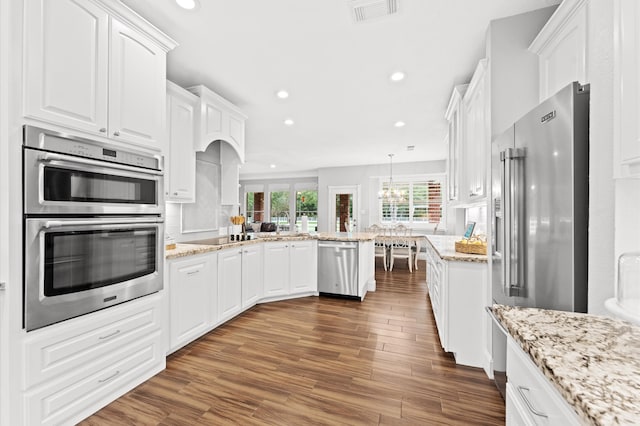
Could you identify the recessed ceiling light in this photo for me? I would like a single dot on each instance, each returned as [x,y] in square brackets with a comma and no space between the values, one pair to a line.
[399,124]
[273,166]
[397,76]
[187,4]
[282,94]
[288,122]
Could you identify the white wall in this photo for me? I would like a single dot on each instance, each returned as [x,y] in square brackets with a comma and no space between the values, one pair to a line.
[368,179]
[601,184]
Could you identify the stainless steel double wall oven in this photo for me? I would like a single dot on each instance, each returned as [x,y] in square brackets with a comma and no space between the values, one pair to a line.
[93,226]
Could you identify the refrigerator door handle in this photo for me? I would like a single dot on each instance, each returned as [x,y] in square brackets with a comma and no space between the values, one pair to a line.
[511,270]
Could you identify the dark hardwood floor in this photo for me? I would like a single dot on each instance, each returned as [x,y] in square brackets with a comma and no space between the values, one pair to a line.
[318,361]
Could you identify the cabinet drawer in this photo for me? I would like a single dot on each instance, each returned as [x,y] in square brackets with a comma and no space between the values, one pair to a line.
[61,348]
[77,395]
[544,404]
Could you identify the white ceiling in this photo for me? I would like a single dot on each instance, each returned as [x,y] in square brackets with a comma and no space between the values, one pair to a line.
[336,71]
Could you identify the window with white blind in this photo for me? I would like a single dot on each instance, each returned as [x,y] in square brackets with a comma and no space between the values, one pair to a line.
[421,203]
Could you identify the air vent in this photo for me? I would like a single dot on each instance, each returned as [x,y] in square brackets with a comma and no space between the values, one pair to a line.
[366,10]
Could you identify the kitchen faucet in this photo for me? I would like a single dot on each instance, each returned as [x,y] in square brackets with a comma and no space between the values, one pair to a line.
[286,214]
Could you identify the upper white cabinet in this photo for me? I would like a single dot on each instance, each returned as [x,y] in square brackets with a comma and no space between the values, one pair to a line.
[562,48]
[454,116]
[627,89]
[180,155]
[218,119]
[103,75]
[477,134]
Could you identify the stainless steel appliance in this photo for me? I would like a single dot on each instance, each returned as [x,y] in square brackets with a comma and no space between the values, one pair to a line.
[64,174]
[93,226]
[338,268]
[539,201]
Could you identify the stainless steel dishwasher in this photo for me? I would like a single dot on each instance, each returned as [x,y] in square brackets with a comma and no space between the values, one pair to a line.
[338,268]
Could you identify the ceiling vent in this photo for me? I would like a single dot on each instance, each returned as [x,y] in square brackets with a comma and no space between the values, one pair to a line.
[366,10]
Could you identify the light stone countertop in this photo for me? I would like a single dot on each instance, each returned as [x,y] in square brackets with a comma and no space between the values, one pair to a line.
[190,249]
[593,361]
[444,245]
[346,236]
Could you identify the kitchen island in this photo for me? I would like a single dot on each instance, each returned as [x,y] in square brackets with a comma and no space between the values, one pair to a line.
[592,361]
[457,283]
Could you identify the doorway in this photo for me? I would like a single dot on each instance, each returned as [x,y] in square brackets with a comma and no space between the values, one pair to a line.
[343,208]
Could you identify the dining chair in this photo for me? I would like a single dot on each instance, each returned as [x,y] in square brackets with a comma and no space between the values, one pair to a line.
[401,248]
[380,244]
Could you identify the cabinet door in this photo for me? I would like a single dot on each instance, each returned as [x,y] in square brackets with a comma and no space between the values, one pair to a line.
[276,269]
[65,76]
[252,278]
[627,89]
[180,155]
[303,269]
[229,283]
[189,286]
[137,88]
[229,175]
[477,134]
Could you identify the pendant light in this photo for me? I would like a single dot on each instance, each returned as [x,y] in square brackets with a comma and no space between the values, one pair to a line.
[391,195]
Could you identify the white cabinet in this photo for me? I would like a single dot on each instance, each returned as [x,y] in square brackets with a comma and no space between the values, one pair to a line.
[78,366]
[218,119]
[562,48]
[192,291]
[303,267]
[531,398]
[252,275]
[454,116]
[240,279]
[180,155]
[626,89]
[229,283]
[291,268]
[99,75]
[477,135]
[456,290]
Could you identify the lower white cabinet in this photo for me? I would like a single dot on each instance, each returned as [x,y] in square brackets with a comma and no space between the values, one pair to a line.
[251,275]
[239,279]
[78,366]
[290,268]
[531,399]
[456,290]
[192,292]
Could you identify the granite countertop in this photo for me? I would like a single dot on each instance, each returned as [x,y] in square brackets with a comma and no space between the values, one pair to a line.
[189,249]
[346,236]
[444,245]
[593,361]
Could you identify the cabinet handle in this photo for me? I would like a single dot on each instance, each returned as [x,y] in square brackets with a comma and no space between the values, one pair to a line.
[175,193]
[108,336]
[3,285]
[110,377]
[103,130]
[116,133]
[193,272]
[528,403]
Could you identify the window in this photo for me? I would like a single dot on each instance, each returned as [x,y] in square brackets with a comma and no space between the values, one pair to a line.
[307,205]
[255,207]
[421,204]
[279,209]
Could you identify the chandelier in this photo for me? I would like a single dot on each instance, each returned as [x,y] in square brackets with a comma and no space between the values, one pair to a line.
[391,195]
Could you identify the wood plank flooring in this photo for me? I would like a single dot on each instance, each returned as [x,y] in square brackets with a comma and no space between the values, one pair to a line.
[318,361]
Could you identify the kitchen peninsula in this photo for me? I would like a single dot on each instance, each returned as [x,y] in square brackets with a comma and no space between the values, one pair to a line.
[211,281]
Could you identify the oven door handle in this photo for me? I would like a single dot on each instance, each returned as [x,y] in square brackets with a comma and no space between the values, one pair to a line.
[62,160]
[111,221]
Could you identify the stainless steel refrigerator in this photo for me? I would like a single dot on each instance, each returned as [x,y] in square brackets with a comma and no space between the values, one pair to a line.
[539,210]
